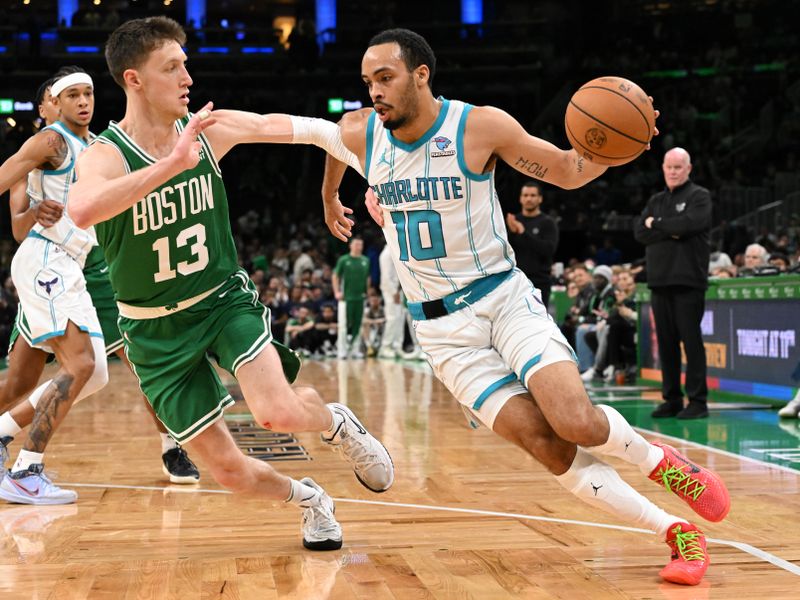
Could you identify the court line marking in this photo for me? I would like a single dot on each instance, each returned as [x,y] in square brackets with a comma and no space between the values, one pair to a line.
[743,547]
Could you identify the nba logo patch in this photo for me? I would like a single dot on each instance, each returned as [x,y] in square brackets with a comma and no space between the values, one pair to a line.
[441,146]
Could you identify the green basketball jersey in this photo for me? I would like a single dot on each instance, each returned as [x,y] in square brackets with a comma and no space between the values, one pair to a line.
[353,272]
[176,242]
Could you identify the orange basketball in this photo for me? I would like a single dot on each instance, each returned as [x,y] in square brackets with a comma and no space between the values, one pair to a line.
[610,121]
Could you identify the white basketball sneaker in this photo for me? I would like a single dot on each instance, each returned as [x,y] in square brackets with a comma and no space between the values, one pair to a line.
[32,486]
[321,531]
[370,460]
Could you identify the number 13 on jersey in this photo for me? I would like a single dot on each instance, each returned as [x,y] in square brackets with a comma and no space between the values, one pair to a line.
[419,232]
[195,234]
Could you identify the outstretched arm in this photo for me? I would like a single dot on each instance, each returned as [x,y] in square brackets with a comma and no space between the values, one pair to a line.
[492,132]
[103,188]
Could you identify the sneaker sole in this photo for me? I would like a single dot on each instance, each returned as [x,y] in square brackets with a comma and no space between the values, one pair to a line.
[181,479]
[18,499]
[322,545]
[360,424]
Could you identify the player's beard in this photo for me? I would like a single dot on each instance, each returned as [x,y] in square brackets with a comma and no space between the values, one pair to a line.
[408,100]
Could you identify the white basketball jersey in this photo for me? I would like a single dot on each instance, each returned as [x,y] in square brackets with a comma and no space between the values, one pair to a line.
[443,223]
[54,185]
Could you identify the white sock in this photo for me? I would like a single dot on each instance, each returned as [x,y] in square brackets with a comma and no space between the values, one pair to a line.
[26,459]
[302,495]
[167,443]
[623,442]
[599,485]
[336,421]
[8,426]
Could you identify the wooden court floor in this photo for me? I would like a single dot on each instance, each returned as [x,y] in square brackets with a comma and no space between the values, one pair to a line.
[469,516]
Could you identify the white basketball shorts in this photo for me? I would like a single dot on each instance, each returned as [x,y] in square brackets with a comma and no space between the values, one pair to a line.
[52,292]
[487,352]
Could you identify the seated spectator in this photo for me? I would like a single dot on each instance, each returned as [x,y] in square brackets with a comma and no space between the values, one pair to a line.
[723,272]
[597,311]
[779,260]
[719,260]
[325,327]
[373,322]
[582,280]
[300,332]
[755,255]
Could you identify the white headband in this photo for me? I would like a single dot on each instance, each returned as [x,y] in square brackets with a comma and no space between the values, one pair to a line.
[70,80]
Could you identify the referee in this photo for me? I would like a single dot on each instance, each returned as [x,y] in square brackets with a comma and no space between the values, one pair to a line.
[674,227]
[534,237]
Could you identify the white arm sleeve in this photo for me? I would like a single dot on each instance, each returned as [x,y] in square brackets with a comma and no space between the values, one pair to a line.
[326,135]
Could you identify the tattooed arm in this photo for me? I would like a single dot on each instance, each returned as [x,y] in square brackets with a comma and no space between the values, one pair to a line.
[45,149]
[491,132]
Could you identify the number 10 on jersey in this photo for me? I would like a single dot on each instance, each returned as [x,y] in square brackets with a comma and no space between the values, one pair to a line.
[419,232]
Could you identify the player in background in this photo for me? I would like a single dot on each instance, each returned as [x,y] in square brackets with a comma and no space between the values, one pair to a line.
[56,312]
[26,363]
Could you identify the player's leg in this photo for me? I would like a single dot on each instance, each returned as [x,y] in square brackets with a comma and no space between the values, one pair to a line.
[264,370]
[391,341]
[82,372]
[242,474]
[25,366]
[355,315]
[599,485]
[531,344]
[341,330]
[175,462]
[493,395]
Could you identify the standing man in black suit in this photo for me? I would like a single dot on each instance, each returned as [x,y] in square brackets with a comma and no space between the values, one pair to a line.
[674,227]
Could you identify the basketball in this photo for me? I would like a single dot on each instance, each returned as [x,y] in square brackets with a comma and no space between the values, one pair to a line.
[610,121]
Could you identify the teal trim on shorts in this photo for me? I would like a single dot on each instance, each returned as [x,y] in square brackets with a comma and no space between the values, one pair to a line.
[528,366]
[492,388]
[465,296]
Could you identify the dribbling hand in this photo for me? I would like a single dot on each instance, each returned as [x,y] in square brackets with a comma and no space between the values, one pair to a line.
[186,153]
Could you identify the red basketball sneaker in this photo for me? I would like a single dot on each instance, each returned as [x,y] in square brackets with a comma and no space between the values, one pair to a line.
[689,555]
[703,490]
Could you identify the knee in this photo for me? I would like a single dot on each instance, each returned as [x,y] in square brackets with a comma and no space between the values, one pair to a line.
[580,425]
[81,368]
[276,415]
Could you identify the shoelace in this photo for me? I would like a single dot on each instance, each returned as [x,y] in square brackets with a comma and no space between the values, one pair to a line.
[357,453]
[321,520]
[688,545]
[679,482]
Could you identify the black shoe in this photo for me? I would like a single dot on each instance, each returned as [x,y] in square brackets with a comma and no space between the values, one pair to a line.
[179,467]
[666,409]
[4,442]
[694,410]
